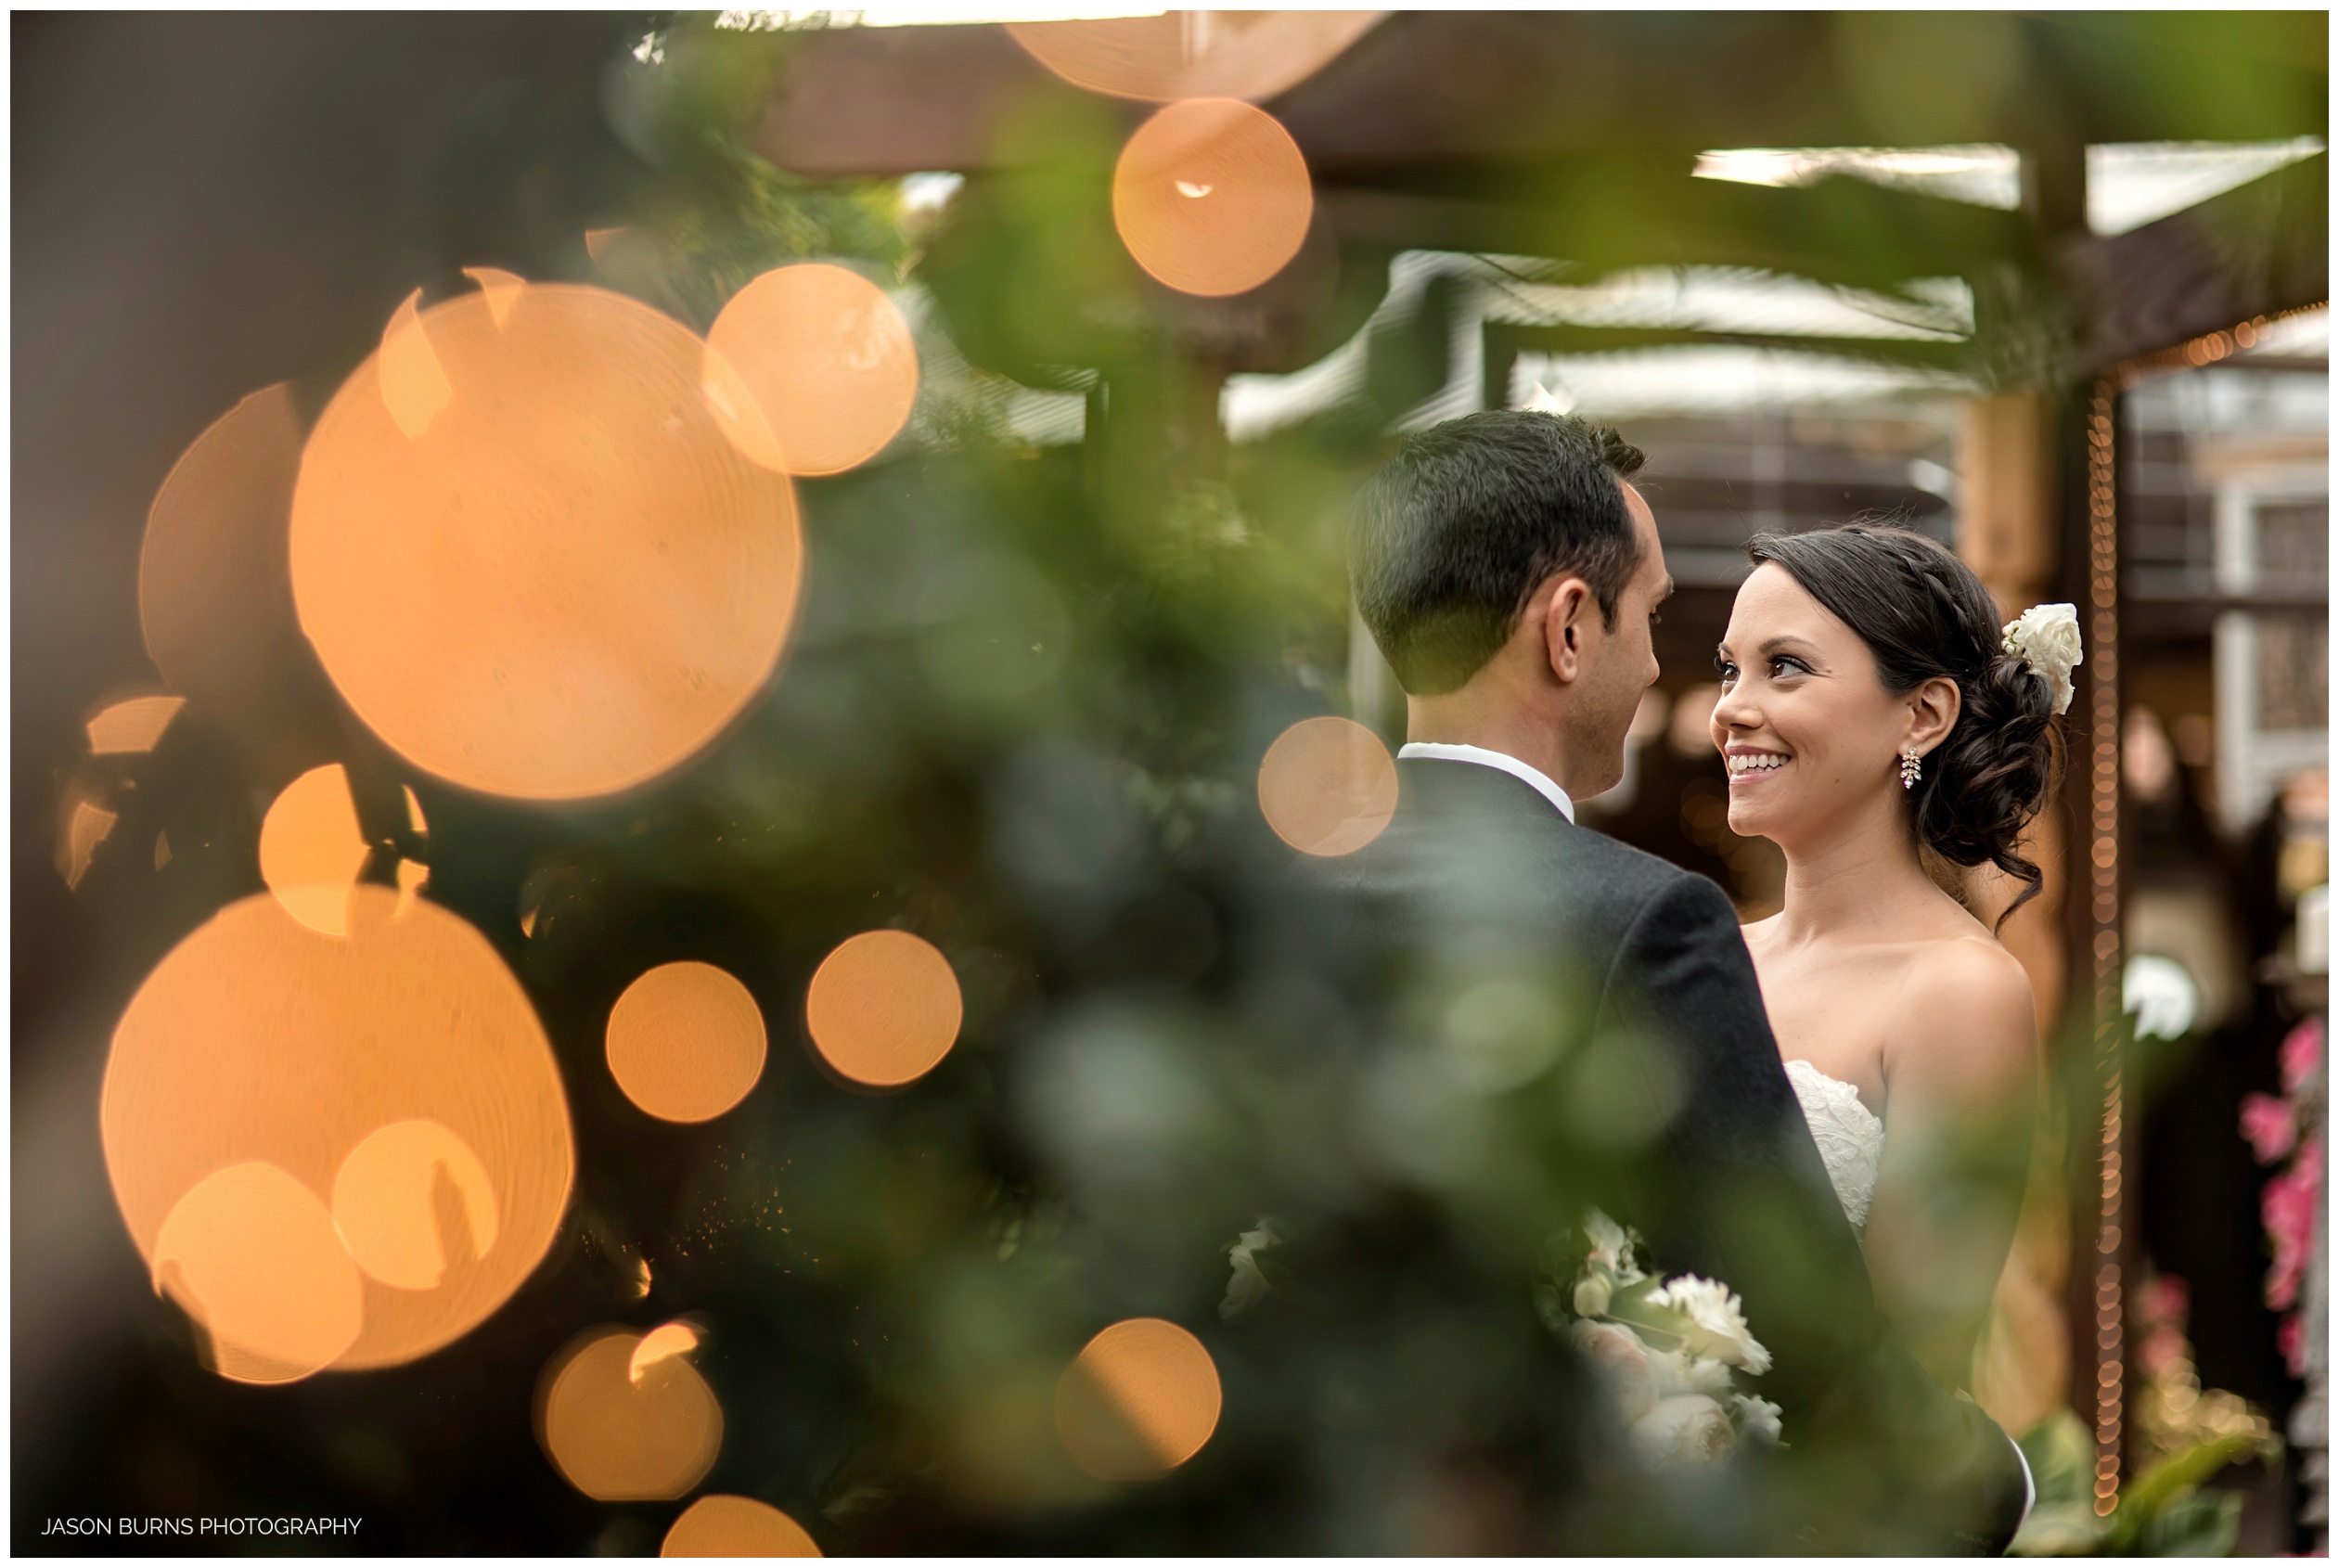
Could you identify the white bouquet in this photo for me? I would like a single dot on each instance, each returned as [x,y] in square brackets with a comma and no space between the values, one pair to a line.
[1667,1351]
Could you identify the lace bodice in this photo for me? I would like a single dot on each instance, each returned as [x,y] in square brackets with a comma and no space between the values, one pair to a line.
[1850,1136]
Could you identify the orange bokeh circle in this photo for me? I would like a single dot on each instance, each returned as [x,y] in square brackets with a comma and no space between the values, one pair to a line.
[385,1202]
[883,1008]
[677,1338]
[1252,54]
[686,1042]
[721,1525]
[215,604]
[811,369]
[131,726]
[1140,1399]
[527,555]
[311,849]
[621,1437]
[252,1255]
[1328,786]
[1212,196]
[399,1070]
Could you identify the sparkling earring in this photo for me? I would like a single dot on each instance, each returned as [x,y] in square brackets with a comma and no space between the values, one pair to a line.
[1913,767]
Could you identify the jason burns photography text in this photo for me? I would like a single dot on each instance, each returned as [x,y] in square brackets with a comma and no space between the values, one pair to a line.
[180,1524]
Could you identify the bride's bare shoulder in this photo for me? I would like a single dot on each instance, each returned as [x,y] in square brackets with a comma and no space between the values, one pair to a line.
[1969,1019]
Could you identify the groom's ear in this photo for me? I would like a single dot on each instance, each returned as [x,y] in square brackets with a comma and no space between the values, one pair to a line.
[1565,601]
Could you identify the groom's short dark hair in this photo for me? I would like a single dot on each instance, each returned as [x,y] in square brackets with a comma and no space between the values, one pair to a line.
[1456,531]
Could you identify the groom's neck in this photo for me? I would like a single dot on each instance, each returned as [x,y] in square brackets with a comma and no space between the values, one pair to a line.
[1474,717]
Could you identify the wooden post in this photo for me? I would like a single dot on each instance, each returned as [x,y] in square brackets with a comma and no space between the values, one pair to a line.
[2008,531]
[2006,527]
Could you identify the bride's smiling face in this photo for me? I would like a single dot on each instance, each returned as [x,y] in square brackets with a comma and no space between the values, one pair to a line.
[1803,724]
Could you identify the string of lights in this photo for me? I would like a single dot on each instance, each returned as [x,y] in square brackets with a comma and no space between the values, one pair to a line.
[2103,857]
[2208,349]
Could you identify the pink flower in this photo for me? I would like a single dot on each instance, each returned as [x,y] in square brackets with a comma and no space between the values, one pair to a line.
[2287,1206]
[2160,1307]
[1687,1429]
[2301,1054]
[2270,1125]
[2166,1300]
[2291,1339]
[2164,1345]
[1623,1365]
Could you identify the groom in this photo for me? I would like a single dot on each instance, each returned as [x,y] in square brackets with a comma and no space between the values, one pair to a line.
[1510,573]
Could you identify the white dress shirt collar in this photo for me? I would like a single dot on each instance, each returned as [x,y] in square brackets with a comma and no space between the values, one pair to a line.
[1501,761]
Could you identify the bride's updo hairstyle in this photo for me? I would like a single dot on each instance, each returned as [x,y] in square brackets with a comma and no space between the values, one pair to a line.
[1924,613]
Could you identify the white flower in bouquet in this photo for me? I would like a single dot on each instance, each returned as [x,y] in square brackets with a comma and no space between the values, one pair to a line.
[1684,1373]
[1593,1293]
[1685,1431]
[1757,1416]
[1612,1247]
[1608,1266]
[2046,638]
[1717,1323]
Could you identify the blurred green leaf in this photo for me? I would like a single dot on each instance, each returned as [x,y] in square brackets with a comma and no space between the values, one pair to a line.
[2173,1480]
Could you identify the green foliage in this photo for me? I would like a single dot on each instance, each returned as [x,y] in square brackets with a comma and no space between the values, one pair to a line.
[2161,1515]
[1029,272]
[2162,1512]
[721,212]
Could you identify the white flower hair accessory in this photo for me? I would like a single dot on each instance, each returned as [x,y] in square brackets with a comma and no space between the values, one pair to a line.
[2045,638]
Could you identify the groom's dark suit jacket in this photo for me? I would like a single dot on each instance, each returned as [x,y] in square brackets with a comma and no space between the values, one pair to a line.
[1724,1180]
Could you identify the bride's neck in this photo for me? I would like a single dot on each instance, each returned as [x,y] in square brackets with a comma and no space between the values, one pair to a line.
[1841,877]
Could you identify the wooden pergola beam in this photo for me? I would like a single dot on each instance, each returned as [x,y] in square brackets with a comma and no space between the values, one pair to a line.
[2256,251]
[1506,89]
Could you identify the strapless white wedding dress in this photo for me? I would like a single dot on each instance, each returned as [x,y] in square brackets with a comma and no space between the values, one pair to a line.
[1851,1140]
[1850,1136]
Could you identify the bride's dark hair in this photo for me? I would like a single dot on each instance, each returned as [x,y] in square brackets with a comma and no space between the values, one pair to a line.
[1924,613]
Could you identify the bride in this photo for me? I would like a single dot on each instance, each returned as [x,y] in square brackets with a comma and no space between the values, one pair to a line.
[1875,725]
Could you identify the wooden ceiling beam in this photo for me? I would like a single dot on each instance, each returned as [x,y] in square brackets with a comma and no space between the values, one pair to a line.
[2256,251]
